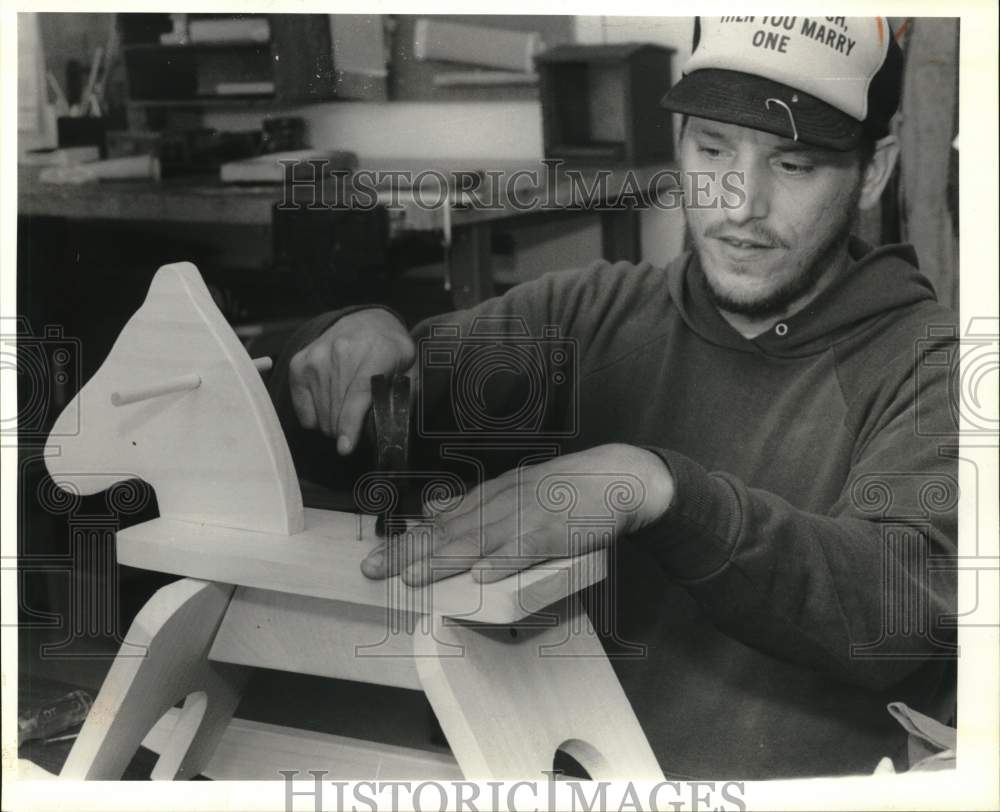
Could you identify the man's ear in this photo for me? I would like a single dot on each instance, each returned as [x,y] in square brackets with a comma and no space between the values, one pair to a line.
[878,171]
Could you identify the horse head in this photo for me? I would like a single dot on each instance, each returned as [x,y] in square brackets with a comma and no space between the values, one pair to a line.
[180,404]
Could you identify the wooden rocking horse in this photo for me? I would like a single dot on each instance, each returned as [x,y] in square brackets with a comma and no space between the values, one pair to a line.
[181,405]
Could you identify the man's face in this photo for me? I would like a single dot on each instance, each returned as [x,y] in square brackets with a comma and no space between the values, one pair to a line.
[791,226]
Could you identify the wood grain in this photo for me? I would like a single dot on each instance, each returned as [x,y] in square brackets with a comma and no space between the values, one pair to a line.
[164,659]
[214,454]
[518,694]
[251,750]
[324,561]
[231,516]
[321,637]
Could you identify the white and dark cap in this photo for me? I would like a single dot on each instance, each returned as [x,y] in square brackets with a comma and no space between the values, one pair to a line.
[825,81]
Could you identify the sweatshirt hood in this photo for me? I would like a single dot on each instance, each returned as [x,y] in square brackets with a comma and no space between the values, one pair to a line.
[876,281]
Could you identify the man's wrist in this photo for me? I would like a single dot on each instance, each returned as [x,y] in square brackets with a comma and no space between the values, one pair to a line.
[658,483]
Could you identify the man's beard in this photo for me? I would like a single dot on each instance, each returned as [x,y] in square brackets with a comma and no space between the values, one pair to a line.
[815,267]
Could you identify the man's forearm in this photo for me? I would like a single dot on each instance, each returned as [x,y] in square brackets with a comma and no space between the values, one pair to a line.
[803,586]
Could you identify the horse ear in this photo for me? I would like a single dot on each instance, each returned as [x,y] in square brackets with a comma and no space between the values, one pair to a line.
[194,420]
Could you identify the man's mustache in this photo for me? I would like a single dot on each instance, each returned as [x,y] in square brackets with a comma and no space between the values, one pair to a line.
[754,233]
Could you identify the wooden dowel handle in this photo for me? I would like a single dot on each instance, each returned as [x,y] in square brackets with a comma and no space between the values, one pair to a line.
[181,383]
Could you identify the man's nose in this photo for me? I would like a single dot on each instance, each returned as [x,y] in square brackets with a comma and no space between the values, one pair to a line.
[755,202]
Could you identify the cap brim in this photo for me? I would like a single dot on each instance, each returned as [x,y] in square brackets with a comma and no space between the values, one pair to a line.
[752,101]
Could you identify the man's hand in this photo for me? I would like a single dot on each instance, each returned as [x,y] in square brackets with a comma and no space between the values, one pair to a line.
[330,380]
[522,517]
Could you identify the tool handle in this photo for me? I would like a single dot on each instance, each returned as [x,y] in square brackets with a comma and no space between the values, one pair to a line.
[53,718]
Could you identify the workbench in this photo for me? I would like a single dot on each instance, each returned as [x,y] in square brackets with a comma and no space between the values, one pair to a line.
[466,231]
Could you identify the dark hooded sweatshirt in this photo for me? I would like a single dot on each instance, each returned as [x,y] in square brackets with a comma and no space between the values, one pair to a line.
[799,582]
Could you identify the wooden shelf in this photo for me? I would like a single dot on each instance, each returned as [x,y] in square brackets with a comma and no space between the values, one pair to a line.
[299,59]
[193,46]
[227,100]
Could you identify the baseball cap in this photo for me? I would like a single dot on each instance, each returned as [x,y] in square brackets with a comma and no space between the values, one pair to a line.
[825,81]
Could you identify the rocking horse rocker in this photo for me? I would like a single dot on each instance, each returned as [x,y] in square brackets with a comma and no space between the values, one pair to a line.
[267,583]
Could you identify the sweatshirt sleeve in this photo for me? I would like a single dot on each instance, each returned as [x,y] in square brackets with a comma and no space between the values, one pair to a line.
[862,592]
[512,333]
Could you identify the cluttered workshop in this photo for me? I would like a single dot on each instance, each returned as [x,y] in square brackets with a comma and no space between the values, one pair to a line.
[203,540]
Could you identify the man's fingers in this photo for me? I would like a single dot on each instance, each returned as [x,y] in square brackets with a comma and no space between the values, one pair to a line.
[355,403]
[352,416]
[528,550]
[423,558]
[503,563]
[387,559]
[452,559]
[503,507]
[303,400]
[373,565]
[485,503]
[352,391]
[304,406]
[401,550]
[459,552]
[329,379]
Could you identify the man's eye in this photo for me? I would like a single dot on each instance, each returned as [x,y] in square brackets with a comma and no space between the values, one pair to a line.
[710,152]
[793,168]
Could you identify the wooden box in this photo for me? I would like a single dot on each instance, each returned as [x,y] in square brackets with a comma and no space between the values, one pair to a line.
[239,59]
[601,103]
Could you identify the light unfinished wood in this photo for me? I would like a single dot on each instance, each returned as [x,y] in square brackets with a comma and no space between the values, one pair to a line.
[232,521]
[324,561]
[325,638]
[516,695]
[182,383]
[213,454]
[164,660]
[251,750]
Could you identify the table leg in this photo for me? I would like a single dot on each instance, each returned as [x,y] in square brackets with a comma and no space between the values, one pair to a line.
[470,265]
[621,235]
